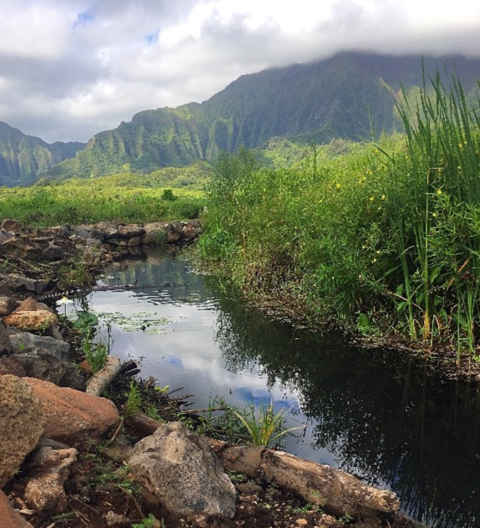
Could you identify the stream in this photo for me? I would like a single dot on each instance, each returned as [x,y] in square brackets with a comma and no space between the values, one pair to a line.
[381,415]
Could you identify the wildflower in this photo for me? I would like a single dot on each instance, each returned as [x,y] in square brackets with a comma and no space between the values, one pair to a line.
[383,197]
[372,198]
[374,260]
[439,191]
[434,215]
[338,186]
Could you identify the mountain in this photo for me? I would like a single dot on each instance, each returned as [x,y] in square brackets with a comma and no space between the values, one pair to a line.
[23,158]
[350,96]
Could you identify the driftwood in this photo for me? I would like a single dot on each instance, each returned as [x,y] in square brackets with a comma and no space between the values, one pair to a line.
[104,377]
[337,492]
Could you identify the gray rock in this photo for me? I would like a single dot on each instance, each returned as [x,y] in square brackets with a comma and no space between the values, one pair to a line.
[21,284]
[47,367]
[5,235]
[7,305]
[53,253]
[180,476]
[24,342]
[23,423]
[86,231]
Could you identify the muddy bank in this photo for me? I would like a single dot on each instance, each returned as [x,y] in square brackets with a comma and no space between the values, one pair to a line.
[83,464]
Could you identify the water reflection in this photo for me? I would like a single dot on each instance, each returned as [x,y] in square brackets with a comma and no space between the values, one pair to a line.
[386,418]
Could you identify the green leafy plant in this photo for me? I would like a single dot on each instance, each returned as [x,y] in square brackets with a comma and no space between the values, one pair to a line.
[148,522]
[266,427]
[133,405]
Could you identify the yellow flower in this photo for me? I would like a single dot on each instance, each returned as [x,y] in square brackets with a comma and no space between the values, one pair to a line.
[338,186]
[383,197]
[439,191]
[372,198]
[374,260]
[434,215]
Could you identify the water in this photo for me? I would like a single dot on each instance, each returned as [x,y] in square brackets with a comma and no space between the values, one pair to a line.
[379,415]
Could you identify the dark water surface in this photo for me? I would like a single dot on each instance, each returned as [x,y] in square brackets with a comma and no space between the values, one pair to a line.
[385,418]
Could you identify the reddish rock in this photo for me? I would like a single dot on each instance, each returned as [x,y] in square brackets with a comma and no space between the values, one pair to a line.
[28,305]
[9,517]
[22,424]
[9,365]
[73,416]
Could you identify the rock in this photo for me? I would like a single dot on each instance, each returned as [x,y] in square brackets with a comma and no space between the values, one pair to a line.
[48,471]
[21,247]
[173,231]
[113,520]
[5,235]
[28,305]
[134,241]
[53,253]
[10,518]
[89,231]
[47,367]
[9,365]
[7,305]
[11,225]
[73,416]
[20,284]
[130,231]
[32,320]
[180,476]
[154,234]
[23,423]
[25,342]
[189,233]
[5,341]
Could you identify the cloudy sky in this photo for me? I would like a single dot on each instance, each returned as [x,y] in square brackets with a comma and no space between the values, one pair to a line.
[72,68]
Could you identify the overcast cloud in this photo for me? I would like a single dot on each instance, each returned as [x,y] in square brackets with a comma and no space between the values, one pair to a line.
[72,68]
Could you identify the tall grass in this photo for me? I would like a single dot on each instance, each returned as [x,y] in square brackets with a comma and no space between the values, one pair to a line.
[384,239]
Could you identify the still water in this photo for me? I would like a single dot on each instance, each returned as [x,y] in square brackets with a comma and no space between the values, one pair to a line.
[385,418]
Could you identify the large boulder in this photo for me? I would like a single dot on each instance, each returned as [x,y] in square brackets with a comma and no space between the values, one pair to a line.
[180,476]
[9,517]
[73,416]
[23,423]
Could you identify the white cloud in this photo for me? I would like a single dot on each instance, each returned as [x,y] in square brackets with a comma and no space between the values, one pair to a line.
[73,68]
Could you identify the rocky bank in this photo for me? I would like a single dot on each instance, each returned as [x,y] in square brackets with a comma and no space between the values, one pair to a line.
[59,440]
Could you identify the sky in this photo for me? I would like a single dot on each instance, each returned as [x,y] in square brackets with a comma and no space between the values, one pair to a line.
[72,68]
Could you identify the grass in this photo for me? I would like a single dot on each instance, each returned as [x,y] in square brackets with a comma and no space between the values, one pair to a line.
[384,239]
[78,201]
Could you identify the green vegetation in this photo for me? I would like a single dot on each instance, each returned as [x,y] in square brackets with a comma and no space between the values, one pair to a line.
[96,352]
[381,239]
[265,427]
[122,198]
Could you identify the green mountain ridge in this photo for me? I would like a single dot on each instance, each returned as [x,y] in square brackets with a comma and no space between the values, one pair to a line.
[23,157]
[349,96]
